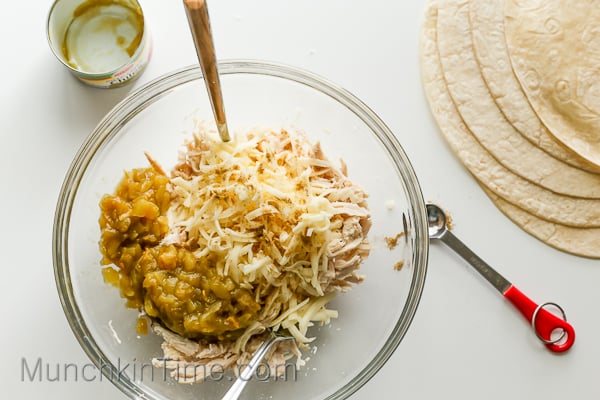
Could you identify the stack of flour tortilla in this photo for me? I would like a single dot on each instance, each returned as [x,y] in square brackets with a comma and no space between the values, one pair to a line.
[515,88]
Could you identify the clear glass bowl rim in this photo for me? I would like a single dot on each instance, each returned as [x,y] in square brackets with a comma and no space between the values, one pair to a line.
[136,102]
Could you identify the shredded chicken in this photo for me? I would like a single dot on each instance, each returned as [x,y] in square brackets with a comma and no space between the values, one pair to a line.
[194,361]
[285,224]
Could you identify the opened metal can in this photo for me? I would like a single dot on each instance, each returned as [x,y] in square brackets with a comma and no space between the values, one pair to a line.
[104,43]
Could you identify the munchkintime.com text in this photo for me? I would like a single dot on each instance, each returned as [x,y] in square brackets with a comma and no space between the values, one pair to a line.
[40,370]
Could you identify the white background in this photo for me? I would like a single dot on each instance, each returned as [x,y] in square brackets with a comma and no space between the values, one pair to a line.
[465,342]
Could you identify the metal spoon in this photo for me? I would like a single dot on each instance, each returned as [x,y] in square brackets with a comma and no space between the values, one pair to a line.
[197,14]
[545,324]
[236,389]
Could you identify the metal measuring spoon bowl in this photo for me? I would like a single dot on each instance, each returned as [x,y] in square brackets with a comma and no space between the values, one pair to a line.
[436,219]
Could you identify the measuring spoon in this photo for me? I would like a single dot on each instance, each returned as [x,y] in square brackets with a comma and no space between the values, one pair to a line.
[556,333]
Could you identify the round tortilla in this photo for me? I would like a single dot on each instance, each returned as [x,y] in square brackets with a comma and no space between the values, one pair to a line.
[486,19]
[479,111]
[554,46]
[578,241]
[526,195]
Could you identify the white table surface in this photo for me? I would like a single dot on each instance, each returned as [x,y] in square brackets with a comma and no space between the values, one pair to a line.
[465,342]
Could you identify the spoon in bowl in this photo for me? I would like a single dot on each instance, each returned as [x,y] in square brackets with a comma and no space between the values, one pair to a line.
[556,333]
[236,389]
[198,19]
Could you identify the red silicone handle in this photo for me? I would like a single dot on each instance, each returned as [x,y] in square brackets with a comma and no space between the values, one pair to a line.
[545,322]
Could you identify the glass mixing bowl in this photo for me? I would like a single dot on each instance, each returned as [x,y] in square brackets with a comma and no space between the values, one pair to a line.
[373,316]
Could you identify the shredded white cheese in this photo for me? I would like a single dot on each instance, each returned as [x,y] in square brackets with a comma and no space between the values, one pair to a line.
[283,220]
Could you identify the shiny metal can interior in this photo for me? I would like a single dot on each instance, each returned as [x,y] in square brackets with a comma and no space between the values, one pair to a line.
[104,43]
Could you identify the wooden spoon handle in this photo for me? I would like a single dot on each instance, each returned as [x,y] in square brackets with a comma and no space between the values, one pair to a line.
[198,19]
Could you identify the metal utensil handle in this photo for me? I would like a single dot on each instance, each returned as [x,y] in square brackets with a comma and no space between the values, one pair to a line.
[238,386]
[545,324]
[489,273]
